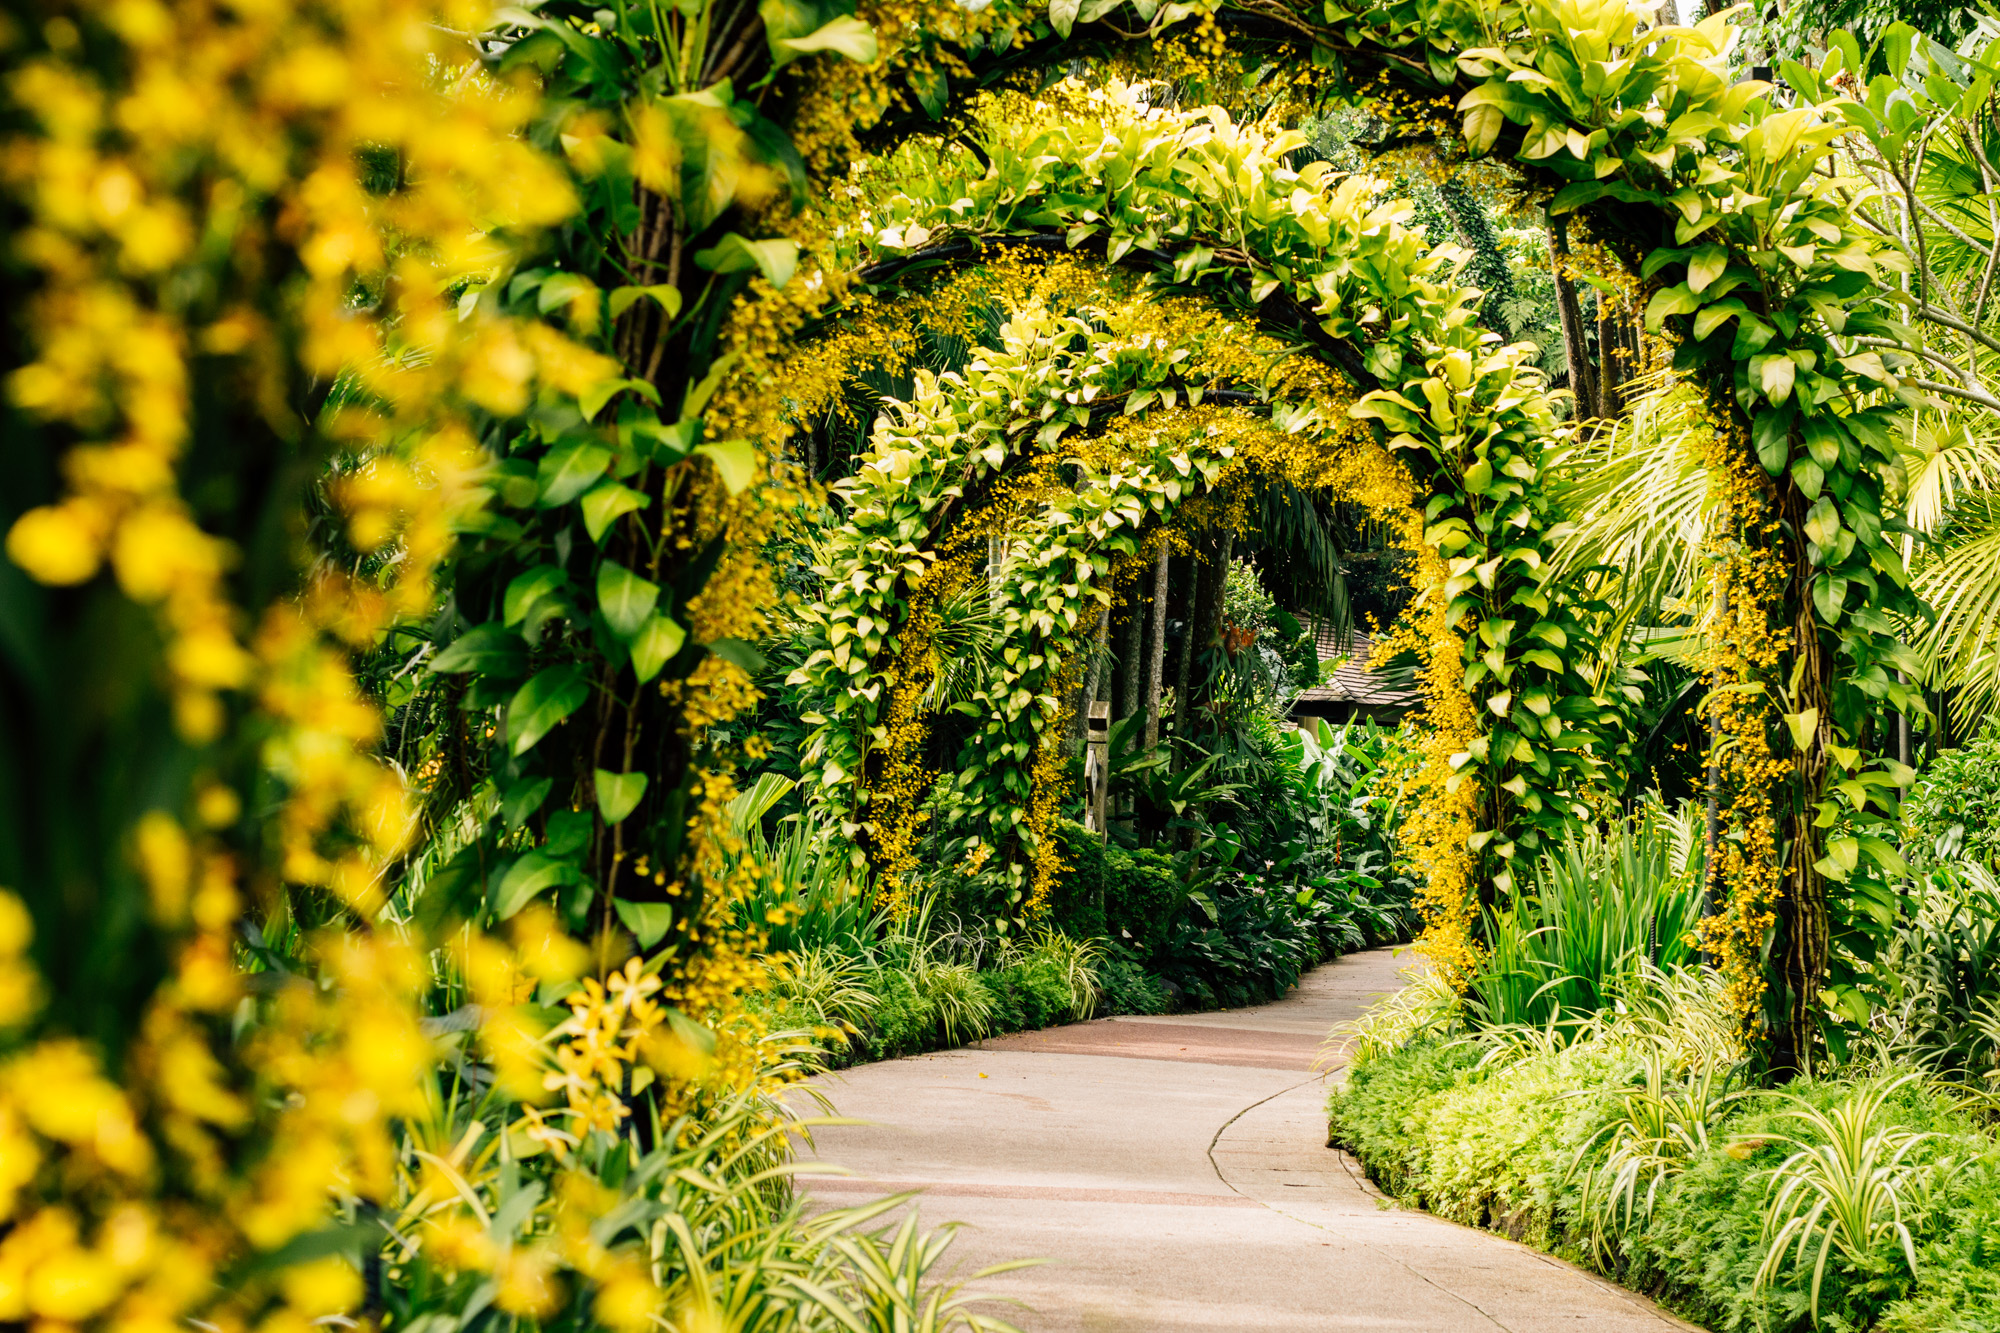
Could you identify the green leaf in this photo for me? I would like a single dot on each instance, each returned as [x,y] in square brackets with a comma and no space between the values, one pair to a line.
[618,794]
[530,875]
[776,258]
[1884,855]
[1823,523]
[625,599]
[1575,196]
[1898,40]
[1711,317]
[523,799]
[739,652]
[547,698]
[1775,376]
[1808,477]
[656,642]
[1706,266]
[648,922]
[1062,15]
[560,289]
[569,470]
[490,649]
[1802,726]
[846,36]
[1772,432]
[1823,441]
[1675,300]
[568,832]
[592,400]
[735,462]
[528,589]
[668,297]
[605,503]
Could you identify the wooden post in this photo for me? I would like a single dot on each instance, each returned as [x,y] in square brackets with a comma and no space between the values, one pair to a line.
[1097,768]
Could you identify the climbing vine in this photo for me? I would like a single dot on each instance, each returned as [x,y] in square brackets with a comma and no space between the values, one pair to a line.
[1264,237]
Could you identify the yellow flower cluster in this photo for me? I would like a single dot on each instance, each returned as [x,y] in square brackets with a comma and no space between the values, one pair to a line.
[100,1242]
[1743,646]
[206,238]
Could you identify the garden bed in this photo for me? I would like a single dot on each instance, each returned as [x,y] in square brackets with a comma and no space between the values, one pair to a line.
[1530,1142]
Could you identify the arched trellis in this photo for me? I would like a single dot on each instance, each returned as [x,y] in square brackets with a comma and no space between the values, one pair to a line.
[1199,203]
[1713,192]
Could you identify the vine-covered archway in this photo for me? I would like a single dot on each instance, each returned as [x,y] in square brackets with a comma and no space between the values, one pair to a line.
[1223,232]
[1720,198]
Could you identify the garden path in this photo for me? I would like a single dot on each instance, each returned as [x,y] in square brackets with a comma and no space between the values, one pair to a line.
[1174,1171]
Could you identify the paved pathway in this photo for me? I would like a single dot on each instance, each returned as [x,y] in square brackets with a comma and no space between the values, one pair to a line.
[1174,1170]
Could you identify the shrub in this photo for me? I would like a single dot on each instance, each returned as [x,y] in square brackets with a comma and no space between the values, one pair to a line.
[1127,987]
[902,1020]
[1035,990]
[1516,1135]
[1955,807]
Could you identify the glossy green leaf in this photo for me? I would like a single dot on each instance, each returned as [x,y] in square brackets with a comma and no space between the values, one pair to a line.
[538,706]
[775,258]
[666,296]
[531,874]
[532,593]
[618,794]
[1706,265]
[489,649]
[648,922]
[844,36]
[655,643]
[735,462]
[604,503]
[523,799]
[624,598]
[569,470]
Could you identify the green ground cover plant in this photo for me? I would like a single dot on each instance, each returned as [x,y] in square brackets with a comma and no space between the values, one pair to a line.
[1616,1120]
[1520,1144]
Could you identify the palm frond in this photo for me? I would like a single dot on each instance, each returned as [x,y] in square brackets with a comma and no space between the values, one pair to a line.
[1961,581]
[1637,501]
[1945,462]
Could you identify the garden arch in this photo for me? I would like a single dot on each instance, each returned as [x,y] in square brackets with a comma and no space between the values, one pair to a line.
[1200,204]
[1719,196]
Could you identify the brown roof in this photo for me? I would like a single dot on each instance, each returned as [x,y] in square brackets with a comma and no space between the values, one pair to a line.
[1352,682]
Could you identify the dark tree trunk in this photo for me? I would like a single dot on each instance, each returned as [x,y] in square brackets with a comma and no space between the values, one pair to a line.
[1156,654]
[1129,664]
[1576,348]
[1799,951]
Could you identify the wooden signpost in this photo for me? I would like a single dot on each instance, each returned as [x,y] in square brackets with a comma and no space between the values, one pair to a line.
[1097,767]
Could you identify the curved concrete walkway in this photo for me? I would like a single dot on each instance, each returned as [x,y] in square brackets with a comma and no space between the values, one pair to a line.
[1174,1171]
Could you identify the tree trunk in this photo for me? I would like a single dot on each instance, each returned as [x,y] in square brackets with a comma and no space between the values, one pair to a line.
[1092,684]
[1618,356]
[1157,655]
[1129,677]
[1218,591]
[1582,375]
[1488,269]
[1799,953]
[1711,865]
[1190,585]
